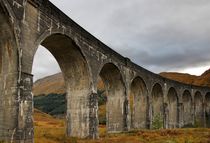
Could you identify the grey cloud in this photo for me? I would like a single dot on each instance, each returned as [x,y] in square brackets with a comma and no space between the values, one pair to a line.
[44,64]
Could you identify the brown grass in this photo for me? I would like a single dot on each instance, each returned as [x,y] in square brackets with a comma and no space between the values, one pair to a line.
[51,130]
[202,80]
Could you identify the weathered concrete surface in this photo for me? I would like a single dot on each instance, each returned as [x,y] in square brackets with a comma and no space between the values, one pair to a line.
[115,92]
[207,110]
[187,111]
[199,110]
[138,106]
[172,108]
[135,96]
[157,104]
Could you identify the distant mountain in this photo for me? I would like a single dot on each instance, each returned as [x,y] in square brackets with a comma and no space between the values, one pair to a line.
[49,84]
[54,84]
[181,77]
[202,80]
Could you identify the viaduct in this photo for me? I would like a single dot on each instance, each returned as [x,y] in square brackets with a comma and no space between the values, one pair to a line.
[136,96]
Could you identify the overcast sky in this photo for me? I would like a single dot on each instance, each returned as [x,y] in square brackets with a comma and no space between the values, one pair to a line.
[159,35]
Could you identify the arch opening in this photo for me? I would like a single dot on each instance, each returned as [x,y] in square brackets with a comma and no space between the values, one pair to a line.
[157,106]
[187,109]
[207,110]
[138,103]
[115,93]
[199,118]
[76,77]
[172,108]
[49,95]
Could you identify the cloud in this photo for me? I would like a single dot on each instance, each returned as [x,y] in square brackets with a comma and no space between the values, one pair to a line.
[160,35]
[44,64]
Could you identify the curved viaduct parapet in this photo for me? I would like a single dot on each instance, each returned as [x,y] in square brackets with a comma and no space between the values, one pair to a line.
[173,103]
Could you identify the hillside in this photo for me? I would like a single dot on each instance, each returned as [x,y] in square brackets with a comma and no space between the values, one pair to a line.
[53,104]
[49,84]
[181,77]
[202,80]
[54,84]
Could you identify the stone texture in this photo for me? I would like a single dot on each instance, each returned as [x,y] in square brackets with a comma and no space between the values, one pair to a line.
[83,58]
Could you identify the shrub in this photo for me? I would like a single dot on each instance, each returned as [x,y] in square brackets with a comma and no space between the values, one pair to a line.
[53,104]
[101,97]
[157,122]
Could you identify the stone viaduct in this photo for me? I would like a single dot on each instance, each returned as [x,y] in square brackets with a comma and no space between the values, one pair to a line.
[136,97]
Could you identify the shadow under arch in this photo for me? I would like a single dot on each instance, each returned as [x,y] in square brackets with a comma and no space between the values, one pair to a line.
[157,106]
[198,107]
[138,103]
[116,95]
[172,101]
[207,109]
[75,71]
[187,108]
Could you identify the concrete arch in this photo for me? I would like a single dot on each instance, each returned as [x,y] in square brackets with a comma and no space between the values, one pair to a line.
[46,34]
[207,109]
[138,103]
[187,108]
[101,66]
[172,102]
[77,79]
[116,95]
[157,105]
[198,109]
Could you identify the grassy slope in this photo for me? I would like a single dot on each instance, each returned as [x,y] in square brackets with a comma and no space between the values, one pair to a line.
[49,84]
[202,80]
[54,84]
[185,78]
[51,130]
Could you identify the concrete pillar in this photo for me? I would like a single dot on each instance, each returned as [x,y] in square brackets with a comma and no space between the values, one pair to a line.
[79,110]
[126,114]
[180,115]
[193,113]
[165,106]
[8,107]
[25,131]
[166,116]
[16,121]
[15,98]
[204,114]
[93,116]
[150,112]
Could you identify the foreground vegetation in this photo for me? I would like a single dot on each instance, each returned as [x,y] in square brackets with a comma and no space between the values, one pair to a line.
[51,130]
